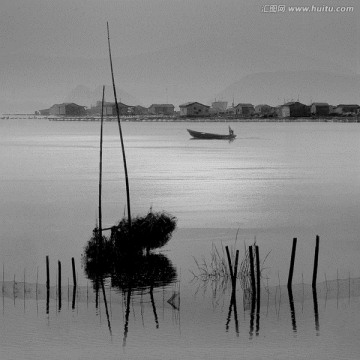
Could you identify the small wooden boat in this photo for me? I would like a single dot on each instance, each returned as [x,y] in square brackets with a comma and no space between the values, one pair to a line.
[210,136]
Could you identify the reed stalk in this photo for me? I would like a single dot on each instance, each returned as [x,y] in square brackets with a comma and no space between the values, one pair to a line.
[120,131]
[100,165]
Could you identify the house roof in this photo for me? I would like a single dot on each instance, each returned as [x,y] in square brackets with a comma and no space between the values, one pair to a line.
[163,105]
[68,103]
[352,105]
[192,102]
[244,105]
[263,106]
[320,104]
[292,103]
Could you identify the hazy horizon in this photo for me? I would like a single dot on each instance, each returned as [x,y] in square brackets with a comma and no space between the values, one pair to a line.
[169,51]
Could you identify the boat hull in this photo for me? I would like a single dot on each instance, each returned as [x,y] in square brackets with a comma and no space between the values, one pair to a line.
[210,136]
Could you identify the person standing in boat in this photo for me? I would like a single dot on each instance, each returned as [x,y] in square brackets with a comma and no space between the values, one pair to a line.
[231,131]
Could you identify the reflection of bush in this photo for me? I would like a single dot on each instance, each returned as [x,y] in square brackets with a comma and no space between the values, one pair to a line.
[136,271]
[151,270]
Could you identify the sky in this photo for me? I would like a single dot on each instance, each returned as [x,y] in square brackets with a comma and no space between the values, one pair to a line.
[165,50]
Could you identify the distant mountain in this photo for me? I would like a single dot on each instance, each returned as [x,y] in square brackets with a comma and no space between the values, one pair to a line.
[85,96]
[274,88]
[195,71]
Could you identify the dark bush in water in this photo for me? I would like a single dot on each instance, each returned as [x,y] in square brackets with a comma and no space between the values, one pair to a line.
[98,257]
[147,232]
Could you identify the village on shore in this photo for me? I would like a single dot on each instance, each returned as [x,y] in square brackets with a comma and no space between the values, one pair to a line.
[218,109]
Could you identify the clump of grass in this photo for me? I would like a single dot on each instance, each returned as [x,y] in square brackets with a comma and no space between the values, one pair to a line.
[216,268]
[244,268]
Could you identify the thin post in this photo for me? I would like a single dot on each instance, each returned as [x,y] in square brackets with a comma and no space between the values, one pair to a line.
[235,269]
[292,261]
[47,273]
[73,270]
[59,283]
[252,275]
[120,131]
[100,166]
[47,285]
[37,282]
[230,264]
[316,259]
[258,272]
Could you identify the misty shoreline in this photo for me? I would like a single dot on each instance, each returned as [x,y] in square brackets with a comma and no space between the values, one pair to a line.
[343,119]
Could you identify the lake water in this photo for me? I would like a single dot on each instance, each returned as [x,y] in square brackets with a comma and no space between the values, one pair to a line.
[276,181]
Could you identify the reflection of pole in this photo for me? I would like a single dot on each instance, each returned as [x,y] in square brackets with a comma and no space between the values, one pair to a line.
[252,315]
[235,315]
[74,298]
[229,316]
[106,306]
[153,306]
[232,305]
[127,313]
[316,310]
[96,292]
[292,309]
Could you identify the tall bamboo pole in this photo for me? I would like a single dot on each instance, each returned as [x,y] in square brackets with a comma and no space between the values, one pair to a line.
[100,166]
[120,131]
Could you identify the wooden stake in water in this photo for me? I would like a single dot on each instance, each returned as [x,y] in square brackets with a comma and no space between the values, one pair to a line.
[252,274]
[59,283]
[73,271]
[258,272]
[292,261]
[47,273]
[120,131]
[235,269]
[230,264]
[316,259]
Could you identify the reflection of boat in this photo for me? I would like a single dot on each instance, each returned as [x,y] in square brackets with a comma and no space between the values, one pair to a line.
[204,135]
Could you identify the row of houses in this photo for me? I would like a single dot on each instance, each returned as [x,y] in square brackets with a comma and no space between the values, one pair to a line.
[293,109]
[72,109]
[196,109]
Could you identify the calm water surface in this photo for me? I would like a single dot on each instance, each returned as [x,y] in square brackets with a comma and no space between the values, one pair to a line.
[276,181]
